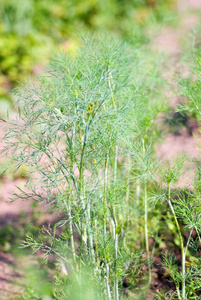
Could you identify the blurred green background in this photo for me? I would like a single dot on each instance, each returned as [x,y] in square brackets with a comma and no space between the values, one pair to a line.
[31,30]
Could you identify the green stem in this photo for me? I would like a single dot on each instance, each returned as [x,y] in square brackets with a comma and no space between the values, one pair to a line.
[81,190]
[127,180]
[181,244]
[69,207]
[71,232]
[96,242]
[138,192]
[146,219]
[111,86]
[86,210]
[91,248]
[187,244]
[107,282]
[198,234]
[115,164]
[116,290]
[178,293]
[105,225]
[105,194]
[116,278]
[115,176]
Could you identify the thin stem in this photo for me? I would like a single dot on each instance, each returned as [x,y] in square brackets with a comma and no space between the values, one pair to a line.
[116,290]
[71,232]
[183,276]
[86,210]
[81,189]
[115,164]
[138,192]
[116,278]
[110,83]
[115,175]
[187,244]
[114,225]
[96,241]
[91,248]
[181,244]
[69,207]
[105,192]
[107,282]
[198,234]
[125,207]
[127,179]
[146,219]
[104,225]
[178,292]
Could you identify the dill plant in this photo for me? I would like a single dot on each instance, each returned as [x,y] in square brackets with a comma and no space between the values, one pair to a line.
[185,205]
[77,129]
[185,209]
[142,164]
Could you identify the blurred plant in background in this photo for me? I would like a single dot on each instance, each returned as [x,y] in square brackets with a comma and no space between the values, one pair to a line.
[31,29]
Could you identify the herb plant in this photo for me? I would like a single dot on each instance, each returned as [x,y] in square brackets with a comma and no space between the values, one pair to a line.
[84,132]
